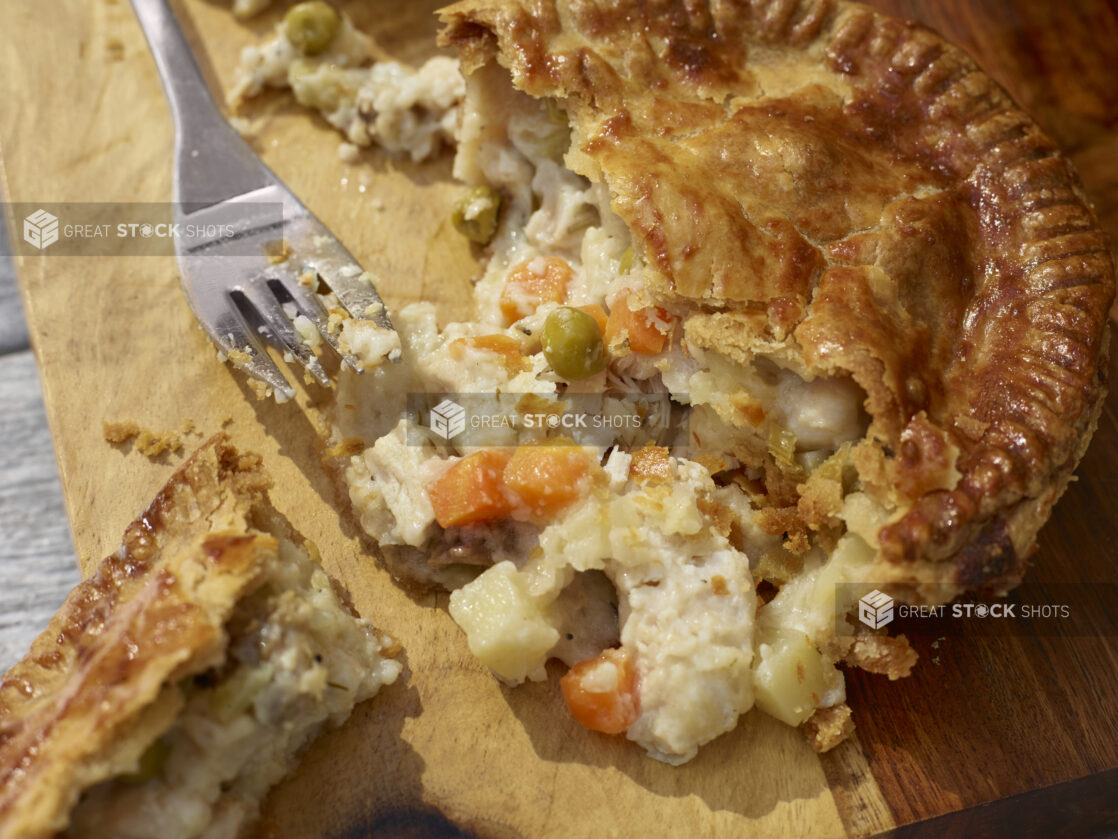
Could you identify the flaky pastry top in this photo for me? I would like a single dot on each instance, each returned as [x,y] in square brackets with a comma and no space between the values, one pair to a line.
[819,176]
[88,697]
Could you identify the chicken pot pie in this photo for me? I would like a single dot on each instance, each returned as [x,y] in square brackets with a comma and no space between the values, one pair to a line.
[874,282]
[179,683]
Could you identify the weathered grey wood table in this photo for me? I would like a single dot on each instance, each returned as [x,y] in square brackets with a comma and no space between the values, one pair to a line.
[37,562]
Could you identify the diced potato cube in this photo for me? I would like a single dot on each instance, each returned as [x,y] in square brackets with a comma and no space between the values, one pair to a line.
[505,626]
[789,677]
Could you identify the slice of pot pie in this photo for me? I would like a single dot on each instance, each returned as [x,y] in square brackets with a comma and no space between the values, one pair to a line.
[873,281]
[179,683]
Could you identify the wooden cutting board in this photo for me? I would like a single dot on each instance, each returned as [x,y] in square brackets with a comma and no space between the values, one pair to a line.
[995,736]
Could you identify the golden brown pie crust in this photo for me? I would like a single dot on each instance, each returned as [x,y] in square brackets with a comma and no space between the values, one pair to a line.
[86,699]
[816,176]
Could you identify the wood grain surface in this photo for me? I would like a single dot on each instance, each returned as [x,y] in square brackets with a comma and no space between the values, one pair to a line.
[37,570]
[1012,735]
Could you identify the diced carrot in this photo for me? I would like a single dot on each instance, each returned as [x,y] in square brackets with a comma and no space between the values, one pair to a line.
[651,463]
[503,345]
[543,279]
[644,329]
[547,478]
[598,313]
[602,692]
[471,490]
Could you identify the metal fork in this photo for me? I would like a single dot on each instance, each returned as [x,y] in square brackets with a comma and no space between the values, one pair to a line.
[238,292]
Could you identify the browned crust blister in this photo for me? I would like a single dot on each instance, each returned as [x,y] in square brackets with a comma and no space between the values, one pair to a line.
[818,176]
[92,692]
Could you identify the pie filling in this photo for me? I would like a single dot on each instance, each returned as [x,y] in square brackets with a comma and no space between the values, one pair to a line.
[296,662]
[681,583]
[397,107]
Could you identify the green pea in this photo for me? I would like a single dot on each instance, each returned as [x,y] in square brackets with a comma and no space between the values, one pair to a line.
[475,214]
[572,343]
[311,26]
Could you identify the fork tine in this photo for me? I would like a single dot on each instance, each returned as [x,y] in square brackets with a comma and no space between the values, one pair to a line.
[237,209]
[309,305]
[357,292]
[236,338]
[277,322]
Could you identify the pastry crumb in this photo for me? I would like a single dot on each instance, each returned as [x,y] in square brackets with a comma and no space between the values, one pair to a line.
[261,390]
[889,655]
[828,727]
[390,647]
[786,522]
[152,444]
[119,433]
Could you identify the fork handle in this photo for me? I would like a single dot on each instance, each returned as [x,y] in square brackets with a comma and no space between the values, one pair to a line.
[202,176]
